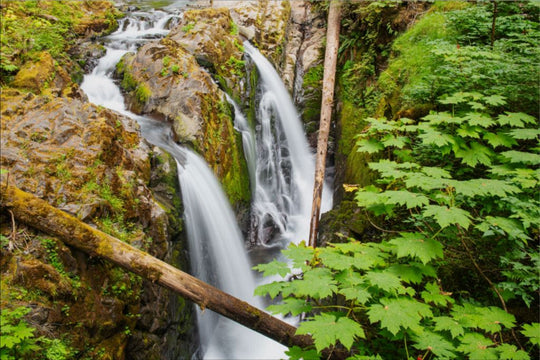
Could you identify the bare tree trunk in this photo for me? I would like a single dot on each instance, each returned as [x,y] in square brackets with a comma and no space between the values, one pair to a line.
[37,213]
[329,78]
[493,23]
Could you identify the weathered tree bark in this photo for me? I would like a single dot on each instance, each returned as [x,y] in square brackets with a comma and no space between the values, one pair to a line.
[493,22]
[38,214]
[329,78]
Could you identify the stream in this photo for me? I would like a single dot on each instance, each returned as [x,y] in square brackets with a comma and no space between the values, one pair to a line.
[281,167]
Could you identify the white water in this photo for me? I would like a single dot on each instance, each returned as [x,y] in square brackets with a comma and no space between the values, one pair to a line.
[216,245]
[285,166]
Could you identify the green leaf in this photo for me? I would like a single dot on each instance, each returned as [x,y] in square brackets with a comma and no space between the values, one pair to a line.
[397,313]
[416,245]
[369,146]
[442,118]
[532,331]
[516,119]
[300,255]
[435,343]
[333,259]
[368,257]
[445,216]
[290,305]
[446,323]
[511,352]
[436,172]
[525,134]
[366,197]
[495,100]
[433,294]
[358,294]
[477,346]
[456,98]
[421,181]
[297,353]
[327,330]
[384,280]
[317,283]
[521,157]
[404,197]
[488,319]
[499,139]
[484,187]
[430,136]
[273,268]
[476,154]
[272,289]
[412,272]
[478,119]
[469,131]
[396,141]
[349,278]
[511,227]
[392,169]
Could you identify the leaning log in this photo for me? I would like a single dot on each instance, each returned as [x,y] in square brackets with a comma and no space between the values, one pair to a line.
[329,79]
[38,214]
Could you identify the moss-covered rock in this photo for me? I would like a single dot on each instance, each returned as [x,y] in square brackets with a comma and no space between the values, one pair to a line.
[90,162]
[32,27]
[165,78]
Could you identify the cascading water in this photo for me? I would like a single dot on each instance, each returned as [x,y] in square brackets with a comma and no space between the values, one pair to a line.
[216,246]
[284,167]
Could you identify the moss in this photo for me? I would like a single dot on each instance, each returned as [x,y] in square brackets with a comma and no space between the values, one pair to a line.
[143,93]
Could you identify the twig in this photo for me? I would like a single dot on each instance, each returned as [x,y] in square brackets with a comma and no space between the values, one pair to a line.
[11,242]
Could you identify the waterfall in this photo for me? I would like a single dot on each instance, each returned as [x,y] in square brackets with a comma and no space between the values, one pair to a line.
[216,246]
[284,167]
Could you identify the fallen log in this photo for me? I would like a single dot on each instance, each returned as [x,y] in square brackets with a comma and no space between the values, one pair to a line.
[38,214]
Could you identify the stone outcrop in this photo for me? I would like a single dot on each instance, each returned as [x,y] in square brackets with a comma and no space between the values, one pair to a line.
[172,78]
[90,162]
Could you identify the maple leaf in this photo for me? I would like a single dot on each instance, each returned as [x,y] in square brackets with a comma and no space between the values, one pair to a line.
[435,343]
[431,136]
[521,157]
[445,216]
[317,283]
[412,272]
[476,154]
[532,331]
[297,353]
[384,280]
[479,119]
[433,294]
[369,146]
[272,268]
[300,255]
[404,197]
[515,119]
[469,131]
[418,246]
[290,305]
[442,118]
[349,278]
[401,312]
[511,352]
[359,294]
[327,329]
[436,172]
[456,98]
[396,141]
[368,257]
[525,134]
[500,139]
[449,324]
[477,346]
[333,259]
[421,181]
[495,100]
[272,289]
